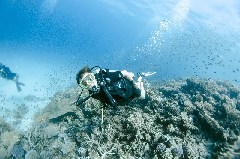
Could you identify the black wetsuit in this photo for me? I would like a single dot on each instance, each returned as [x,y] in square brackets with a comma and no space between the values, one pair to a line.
[120,89]
[6,73]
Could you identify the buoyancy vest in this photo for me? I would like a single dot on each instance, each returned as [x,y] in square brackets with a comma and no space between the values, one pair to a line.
[119,88]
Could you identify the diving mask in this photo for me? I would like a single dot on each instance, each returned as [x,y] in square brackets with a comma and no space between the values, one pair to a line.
[87,81]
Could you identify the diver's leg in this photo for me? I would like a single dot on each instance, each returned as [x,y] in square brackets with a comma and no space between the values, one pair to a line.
[19,89]
[15,79]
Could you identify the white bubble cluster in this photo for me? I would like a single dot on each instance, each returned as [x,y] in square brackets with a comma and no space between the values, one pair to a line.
[179,14]
[48,6]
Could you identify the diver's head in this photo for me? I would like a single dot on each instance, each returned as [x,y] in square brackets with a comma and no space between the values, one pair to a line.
[85,78]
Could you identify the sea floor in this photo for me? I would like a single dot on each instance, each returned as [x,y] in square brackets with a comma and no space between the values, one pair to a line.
[187,118]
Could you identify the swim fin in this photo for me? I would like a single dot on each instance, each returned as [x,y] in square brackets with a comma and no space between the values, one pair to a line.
[19,89]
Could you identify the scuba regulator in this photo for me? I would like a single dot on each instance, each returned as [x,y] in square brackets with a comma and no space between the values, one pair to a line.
[96,89]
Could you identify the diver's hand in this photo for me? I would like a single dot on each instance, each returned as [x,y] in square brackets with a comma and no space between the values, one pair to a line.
[145,74]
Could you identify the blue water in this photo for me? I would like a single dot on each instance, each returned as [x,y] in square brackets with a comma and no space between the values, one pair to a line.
[48,41]
[175,38]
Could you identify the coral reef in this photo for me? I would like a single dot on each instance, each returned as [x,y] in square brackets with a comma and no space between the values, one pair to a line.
[9,139]
[188,118]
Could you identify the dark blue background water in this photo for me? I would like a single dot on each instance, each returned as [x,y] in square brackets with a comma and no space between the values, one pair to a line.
[70,26]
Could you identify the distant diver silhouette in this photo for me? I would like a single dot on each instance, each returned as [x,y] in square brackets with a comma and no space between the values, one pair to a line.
[6,73]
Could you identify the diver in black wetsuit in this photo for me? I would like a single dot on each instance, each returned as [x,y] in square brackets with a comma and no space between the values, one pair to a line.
[110,87]
[6,73]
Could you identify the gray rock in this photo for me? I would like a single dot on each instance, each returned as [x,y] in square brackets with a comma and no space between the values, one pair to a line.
[32,154]
[18,151]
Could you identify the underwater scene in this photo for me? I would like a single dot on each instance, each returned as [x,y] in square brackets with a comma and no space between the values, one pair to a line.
[112,79]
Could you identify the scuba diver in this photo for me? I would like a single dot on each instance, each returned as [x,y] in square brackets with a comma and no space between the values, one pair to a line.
[109,86]
[6,73]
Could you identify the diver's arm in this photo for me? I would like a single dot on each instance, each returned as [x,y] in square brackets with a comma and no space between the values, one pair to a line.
[127,75]
[79,102]
[139,85]
[136,84]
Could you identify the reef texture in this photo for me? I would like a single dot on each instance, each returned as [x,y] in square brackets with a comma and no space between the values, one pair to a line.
[183,119]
